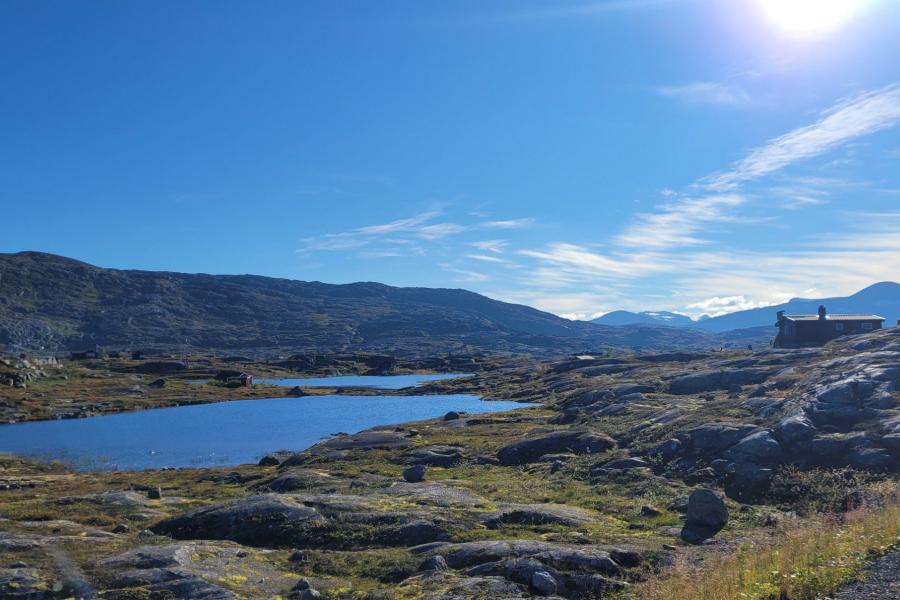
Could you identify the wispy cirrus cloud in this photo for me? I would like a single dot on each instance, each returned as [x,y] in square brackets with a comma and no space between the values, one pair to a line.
[678,223]
[400,234]
[708,93]
[855,117]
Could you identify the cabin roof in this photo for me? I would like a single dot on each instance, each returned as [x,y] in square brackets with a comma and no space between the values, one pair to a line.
[850,317]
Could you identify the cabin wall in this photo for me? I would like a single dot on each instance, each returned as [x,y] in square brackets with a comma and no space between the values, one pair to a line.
[794,334]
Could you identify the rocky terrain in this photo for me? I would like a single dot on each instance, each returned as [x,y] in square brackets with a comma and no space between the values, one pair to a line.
[51,303]
[630,464]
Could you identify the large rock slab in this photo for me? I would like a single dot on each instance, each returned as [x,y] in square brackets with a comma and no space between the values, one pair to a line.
[299,479]
[713,438]
[435,456]
[266,519]
[795,429]
[576,441]
[710,381]
[758,447]
[537,514]
[558,556]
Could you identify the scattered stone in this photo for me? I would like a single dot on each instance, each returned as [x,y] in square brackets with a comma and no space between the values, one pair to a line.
[414,474]
[154,493]
[624,464]
[434,563]
[269,460]
[543,583]
[650,511]
[451,416]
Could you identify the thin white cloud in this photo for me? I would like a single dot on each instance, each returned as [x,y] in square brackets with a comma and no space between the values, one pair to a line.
[508,224]
[487,258]
[410,224]
[573,259]
[465,275]
[438,231]
[859,116]
[495,246]
[708,93]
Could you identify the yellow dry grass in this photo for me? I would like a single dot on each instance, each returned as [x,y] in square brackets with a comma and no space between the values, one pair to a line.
[805,561]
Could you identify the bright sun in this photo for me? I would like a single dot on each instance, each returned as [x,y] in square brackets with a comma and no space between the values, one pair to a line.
[810,17]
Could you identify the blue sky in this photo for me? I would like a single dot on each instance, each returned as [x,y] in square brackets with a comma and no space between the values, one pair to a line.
[697,156]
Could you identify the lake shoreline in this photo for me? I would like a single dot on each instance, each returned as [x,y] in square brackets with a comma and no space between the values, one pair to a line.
[78,389]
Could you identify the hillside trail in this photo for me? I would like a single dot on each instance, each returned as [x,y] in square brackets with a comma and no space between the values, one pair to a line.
[881,580]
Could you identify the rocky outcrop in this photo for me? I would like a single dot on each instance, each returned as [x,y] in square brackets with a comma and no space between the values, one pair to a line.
[576,441]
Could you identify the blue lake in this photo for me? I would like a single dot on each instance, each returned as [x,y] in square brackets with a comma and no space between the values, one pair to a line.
[224,433]
[386,382]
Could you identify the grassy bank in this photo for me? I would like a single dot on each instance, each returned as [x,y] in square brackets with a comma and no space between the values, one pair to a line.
[802,561]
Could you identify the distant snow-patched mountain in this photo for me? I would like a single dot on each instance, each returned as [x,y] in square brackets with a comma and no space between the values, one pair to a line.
[619,318]
[882,299]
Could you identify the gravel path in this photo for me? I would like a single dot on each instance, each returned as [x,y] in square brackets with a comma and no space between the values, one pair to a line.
[882,581]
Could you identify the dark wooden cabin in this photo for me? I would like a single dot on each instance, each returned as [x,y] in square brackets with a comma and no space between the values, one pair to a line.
[803,331]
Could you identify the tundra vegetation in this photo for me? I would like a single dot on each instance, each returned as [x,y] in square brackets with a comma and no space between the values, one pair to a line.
[768,474]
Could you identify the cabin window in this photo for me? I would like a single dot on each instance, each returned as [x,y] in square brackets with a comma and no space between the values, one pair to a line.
[867,326]
[838,326]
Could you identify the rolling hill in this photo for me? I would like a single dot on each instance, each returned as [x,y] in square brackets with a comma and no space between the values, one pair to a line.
[55,303]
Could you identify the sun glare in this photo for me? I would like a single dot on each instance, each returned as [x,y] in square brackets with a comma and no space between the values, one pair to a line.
[810,17]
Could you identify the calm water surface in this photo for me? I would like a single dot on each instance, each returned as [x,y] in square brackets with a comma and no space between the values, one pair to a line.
[224,433]
[385,382]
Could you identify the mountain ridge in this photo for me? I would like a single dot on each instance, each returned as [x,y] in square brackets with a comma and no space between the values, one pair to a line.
[50,302]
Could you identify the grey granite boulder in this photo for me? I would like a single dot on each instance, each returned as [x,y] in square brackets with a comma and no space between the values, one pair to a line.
[706,516]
